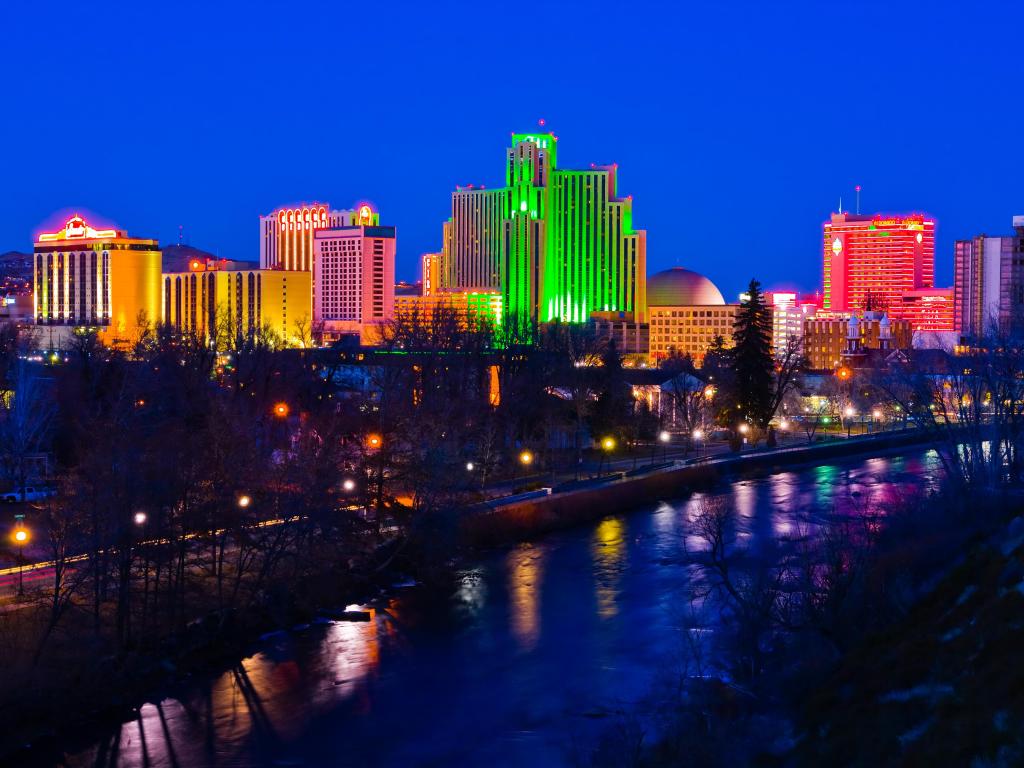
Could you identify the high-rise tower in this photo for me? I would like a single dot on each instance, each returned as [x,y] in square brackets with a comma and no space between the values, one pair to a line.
[558,243]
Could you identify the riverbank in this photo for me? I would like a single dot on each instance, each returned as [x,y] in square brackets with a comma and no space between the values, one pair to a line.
[528,518]
[69,705]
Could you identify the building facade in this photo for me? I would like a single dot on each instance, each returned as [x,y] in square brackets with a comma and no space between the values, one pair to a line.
[988,283]
[559,244]
[472,240]
[286,235]
[928,310]
[353,280]
[788,313]
[483,306]
[831,340]
[869,261]
[687,314]
[222,305]
[101,279]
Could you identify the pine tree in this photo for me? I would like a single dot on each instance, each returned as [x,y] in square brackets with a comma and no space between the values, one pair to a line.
[752,358]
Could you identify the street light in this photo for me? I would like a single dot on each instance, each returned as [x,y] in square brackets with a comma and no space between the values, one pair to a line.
[526,458]
[608,443]
[281,410]
[374,440]
[348,485]
[244,501]
[849,412]
[140,518]
[469,466]
[21,538]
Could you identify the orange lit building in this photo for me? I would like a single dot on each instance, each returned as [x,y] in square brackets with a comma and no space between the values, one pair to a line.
[874,259]
[222,301]
[91,278]
[829,341]
[286,235]
[485,304]
[687,313]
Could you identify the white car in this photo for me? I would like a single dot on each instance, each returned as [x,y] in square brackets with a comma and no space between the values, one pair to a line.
[32,493]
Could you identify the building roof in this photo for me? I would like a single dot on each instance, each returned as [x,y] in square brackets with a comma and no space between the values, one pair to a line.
[678,287]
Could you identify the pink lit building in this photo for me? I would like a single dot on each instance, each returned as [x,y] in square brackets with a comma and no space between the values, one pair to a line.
[353,280]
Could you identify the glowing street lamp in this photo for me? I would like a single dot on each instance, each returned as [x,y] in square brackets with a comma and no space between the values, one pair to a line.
[608,443]
[348,485]
[374,441]
[21,537]
[744,428]
[709,392]
[698,434]
[140,518]
[470,466]
[664,436]
[526,458]
[281,410]
[244,501]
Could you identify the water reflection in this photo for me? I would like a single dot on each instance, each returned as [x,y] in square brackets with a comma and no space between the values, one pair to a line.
[608,548]
[525,568]
[516,661]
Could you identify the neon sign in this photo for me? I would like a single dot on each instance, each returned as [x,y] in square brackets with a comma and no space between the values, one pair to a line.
[76,229]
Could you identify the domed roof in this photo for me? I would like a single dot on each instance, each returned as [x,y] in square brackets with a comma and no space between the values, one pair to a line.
[678,287]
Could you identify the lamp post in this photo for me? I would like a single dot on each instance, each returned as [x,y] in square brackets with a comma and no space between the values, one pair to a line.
[849,413]
[698,438]
[664,437]
[21,538]
[607,446]
[876,418]
[744,429]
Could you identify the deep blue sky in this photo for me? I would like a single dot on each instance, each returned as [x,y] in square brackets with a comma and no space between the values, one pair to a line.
[736,126]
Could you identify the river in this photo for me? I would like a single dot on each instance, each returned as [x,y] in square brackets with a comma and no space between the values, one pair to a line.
[531,654]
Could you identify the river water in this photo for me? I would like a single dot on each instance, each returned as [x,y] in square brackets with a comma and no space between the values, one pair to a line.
[535,650]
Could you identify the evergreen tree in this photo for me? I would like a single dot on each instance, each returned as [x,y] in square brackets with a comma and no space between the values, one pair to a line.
[753,365]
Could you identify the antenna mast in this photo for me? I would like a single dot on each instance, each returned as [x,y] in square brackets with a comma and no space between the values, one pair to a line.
[858,198]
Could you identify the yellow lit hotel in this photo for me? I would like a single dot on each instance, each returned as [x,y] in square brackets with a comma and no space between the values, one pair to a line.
[90,278]
[216,298]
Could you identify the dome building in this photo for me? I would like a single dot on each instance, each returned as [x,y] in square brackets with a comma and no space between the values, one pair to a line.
[686,312]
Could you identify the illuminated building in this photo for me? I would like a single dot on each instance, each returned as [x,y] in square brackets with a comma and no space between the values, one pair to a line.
[929,310]
[100,279]
[788,314]
[471,249]
[829,341]
[687,313]
[630,337]
[353,279]
[222,304]
[286,235]
[431,265]
[558,243]
[874,259]
[485,305]
[988,284]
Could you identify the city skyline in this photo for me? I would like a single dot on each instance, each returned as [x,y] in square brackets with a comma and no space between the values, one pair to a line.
[724,153]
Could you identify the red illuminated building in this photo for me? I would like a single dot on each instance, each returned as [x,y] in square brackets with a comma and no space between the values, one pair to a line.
[873,260]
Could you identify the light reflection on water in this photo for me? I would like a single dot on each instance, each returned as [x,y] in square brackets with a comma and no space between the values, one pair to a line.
[529,653]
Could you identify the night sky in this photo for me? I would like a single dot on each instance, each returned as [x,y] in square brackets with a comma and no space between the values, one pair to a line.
[736,126]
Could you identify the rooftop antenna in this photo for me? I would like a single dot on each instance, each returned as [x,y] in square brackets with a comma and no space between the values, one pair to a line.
[858,198]
[541,122]
[181,234]
[840,203]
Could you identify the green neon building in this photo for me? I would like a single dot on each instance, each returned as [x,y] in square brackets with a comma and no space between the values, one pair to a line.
[558,243]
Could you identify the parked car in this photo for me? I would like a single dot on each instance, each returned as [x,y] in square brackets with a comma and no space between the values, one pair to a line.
[32,493]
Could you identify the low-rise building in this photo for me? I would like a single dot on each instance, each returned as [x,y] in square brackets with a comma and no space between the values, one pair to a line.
[686,313]
[829,341]
[221,304]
